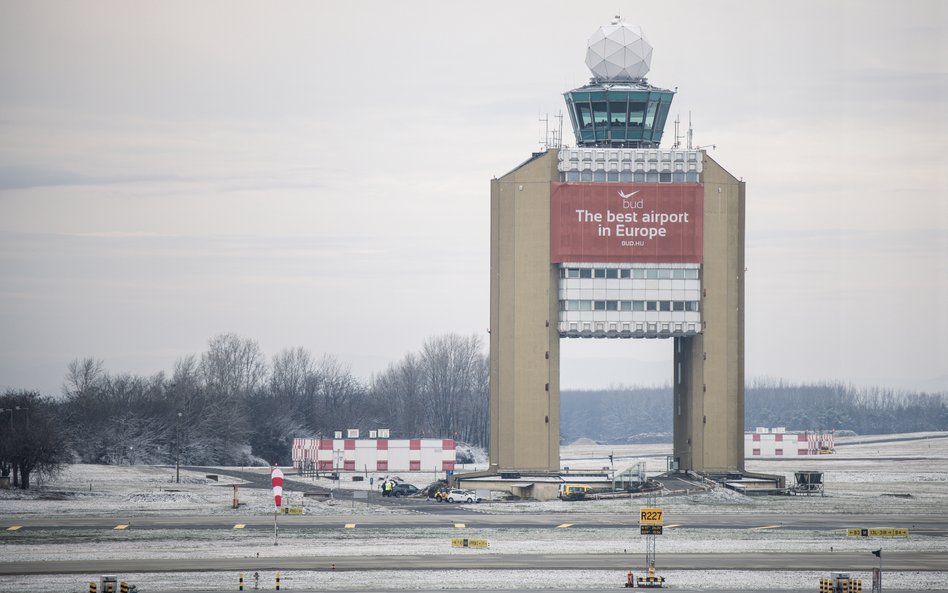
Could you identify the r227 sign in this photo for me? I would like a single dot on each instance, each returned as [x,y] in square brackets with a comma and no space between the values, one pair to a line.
[650,516]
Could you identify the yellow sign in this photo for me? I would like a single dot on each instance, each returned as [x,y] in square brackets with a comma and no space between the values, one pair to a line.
[649,516]
[294,511]
[463,542]
[889,532]
[878,532]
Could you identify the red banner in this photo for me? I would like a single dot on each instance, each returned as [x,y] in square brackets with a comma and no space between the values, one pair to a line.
[626,223]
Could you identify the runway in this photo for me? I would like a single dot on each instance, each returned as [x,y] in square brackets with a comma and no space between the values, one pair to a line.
[918,524]
[895,561]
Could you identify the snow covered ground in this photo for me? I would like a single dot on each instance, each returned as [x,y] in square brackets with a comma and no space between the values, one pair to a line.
[476,579]
[860,478]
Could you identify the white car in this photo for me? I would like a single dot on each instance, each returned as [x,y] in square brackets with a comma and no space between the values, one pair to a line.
[461,496]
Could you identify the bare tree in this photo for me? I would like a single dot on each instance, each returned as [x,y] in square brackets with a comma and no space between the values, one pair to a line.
[33,441]
[397,396]
[82,375]
[294,377]
[232,366]
[339,396]
[450,364]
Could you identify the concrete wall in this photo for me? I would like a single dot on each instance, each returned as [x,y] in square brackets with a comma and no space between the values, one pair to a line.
[524,343]
[709,368]
[708,372]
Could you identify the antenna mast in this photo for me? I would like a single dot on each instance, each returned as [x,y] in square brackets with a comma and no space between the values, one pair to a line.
[691,133]
[551,138]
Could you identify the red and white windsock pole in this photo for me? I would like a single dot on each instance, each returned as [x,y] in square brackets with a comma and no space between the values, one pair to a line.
[276,480]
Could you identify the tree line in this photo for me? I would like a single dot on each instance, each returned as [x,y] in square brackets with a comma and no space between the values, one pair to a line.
[230,406]
[629,414]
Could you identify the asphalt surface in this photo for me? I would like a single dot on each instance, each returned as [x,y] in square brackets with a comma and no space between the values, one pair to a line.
[450,514]
[533,590]
[894,561]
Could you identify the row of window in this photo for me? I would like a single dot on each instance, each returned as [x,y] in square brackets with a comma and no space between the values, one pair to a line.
[618,273]
[591,305]
[629,177]
[616,113]
[641,155]
[639,166]
[624,329]
[780,452]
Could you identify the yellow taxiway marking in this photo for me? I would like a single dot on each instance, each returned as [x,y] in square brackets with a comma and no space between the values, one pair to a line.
[350,525]
[459,525]
[14,527]
[765,527]
[121,526]
[673,525]
[564,525]
[240,526]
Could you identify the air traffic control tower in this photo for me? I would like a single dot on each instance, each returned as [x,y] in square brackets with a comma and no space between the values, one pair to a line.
[617,238]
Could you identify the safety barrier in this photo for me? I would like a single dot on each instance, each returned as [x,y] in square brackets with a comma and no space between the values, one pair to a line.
[651,581]
[841,585]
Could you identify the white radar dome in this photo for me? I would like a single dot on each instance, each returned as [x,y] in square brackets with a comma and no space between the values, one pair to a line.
[619,51]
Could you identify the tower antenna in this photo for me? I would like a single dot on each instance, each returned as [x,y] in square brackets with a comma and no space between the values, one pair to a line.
[545,138]
[691,132]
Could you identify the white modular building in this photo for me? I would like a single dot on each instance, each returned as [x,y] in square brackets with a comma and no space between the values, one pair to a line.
[776,443]
[375,455]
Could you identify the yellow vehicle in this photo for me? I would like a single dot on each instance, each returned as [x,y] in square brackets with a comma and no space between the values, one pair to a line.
[574,491]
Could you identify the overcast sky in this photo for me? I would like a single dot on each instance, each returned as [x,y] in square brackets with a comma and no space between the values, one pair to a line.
[317,174]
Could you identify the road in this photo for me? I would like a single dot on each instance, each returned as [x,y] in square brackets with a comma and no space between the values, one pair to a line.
[900,561]
[449,515]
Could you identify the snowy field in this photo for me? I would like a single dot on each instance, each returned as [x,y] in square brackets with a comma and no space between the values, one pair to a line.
[902,476]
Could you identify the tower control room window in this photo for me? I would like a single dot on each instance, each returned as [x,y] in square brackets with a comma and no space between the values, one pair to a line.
[617,113]
[650,116]
[584,114]
[601,113]
[636,114]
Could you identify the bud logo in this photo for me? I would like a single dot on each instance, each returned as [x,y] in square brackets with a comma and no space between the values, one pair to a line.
[627,203]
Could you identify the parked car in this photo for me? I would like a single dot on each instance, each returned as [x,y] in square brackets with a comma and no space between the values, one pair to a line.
[404,490]
[461,496]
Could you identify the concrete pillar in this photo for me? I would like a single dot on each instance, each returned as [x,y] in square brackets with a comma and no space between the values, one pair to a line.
[709,394]
[524,341]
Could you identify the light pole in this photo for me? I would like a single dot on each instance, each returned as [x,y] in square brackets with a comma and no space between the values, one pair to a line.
[13,466]
[177,448]
[11,410]
[877,579]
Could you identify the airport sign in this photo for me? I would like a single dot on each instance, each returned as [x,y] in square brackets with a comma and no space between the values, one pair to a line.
[878,532]
[650,516]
